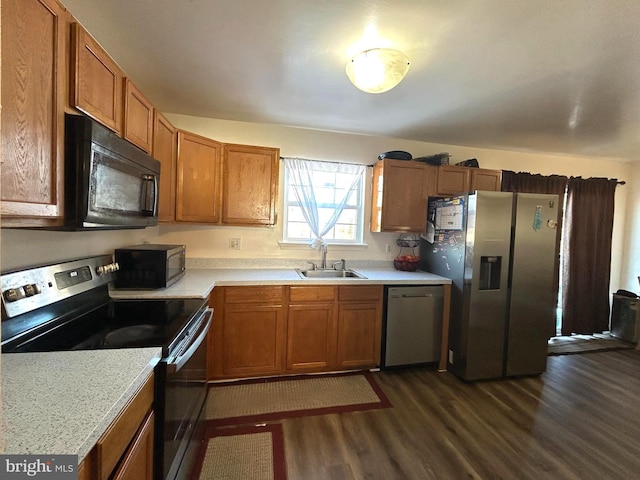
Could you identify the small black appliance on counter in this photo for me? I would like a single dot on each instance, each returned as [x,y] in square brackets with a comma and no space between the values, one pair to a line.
[149,266]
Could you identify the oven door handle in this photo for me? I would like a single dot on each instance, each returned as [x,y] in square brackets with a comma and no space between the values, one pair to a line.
[179,361]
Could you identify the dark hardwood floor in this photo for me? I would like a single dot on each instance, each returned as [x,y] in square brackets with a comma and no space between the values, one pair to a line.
[579,420]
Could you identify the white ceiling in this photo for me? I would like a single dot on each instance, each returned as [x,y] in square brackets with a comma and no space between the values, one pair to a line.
[547,75]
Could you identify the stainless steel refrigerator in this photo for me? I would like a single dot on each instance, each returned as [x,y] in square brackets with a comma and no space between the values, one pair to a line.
[498,248]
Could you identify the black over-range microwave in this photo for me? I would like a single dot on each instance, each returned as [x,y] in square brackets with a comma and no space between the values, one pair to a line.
[149,266]
[109,182]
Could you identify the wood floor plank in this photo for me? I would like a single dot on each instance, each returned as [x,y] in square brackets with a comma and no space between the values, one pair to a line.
[580,419]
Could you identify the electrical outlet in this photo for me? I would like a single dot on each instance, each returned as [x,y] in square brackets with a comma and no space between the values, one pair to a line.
[234,243]
[451,357]
[387,248]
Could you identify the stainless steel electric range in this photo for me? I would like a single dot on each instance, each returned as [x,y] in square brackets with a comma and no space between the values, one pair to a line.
[66,306]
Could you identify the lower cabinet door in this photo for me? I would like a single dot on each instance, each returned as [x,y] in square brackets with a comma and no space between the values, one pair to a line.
[253,337]
[358,335]
[137,463]
[310,337]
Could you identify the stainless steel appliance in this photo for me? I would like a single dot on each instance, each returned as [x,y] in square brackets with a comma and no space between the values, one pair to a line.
[498,248]
[109,182]
[412,327]
[150,265]
[625,318]
[66,306]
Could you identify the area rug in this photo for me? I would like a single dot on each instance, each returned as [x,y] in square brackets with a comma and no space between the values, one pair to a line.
[286,397]
[242,453]
[598,342]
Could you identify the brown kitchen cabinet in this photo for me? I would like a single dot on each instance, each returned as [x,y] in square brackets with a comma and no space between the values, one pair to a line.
[165,150]
[311,327]
[249,331]
[198,179]
[399,196]
[249,184]
[138,117]
[359,326]
[35,41]
[97,81]
[485,179]
[275,330]
[453,179]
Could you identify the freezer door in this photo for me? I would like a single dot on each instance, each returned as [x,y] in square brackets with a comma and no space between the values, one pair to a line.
[533,306]
[486,284]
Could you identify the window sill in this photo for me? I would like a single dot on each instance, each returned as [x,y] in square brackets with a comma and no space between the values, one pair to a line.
[331,246]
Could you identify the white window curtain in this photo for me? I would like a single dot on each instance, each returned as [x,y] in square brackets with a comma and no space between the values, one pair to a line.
[301,175]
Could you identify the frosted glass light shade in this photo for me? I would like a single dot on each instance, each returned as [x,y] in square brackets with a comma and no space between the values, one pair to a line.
[377,70]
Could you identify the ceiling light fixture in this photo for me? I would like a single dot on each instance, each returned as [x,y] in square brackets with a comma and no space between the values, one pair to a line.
[378,69]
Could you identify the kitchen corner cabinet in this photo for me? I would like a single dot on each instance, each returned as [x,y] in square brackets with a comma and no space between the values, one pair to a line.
[165,149]
[125,450]
[249,184]
[138,117]
[97,81]
[198,179]
[249,331]
[34,43]
[277,330]
[399,195]
[453,180]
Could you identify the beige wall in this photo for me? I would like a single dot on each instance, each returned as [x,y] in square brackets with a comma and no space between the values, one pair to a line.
[23,248]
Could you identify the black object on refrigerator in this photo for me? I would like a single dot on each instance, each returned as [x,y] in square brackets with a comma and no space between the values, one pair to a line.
[498,248]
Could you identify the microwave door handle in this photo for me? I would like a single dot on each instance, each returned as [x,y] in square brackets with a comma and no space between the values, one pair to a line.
[149,200]
[178,363]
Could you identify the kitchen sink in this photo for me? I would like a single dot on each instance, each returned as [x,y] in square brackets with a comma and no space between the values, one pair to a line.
[328,273]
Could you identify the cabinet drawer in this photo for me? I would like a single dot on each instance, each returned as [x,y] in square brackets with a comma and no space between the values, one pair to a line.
[311,294]
[270,295]
[114,442]
[355,293]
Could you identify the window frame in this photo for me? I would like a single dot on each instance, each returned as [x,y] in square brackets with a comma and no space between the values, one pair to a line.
[359,208]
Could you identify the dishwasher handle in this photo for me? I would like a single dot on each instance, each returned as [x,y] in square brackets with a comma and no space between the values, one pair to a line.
[416,295]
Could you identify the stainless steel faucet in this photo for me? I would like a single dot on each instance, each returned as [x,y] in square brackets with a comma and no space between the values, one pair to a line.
[323,250]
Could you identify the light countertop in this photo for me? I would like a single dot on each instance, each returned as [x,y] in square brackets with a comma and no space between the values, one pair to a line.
[62,402]
[198,282]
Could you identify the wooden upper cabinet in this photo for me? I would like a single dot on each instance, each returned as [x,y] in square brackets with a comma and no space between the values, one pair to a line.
[165,150]
[34,93]
[249,185]
[198,179]
[138,117]
[399,195]
[97,81]
[453,180]
[484,179]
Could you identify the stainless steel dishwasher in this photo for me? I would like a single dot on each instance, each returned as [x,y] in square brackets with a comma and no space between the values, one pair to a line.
[413,325]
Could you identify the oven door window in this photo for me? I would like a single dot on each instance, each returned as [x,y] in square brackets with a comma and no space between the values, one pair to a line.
[119,189]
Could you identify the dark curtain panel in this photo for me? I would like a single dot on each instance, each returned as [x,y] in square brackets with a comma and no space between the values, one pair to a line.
[536,183]
[587,256]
